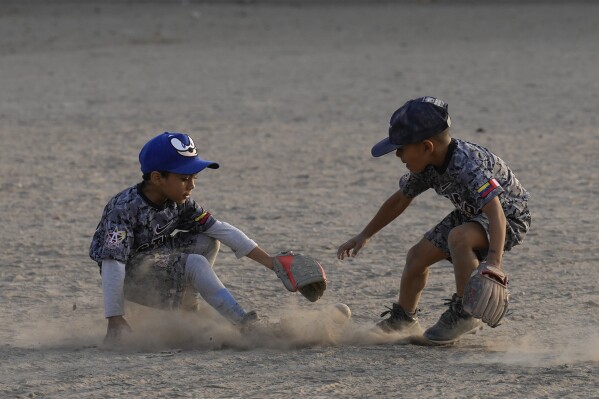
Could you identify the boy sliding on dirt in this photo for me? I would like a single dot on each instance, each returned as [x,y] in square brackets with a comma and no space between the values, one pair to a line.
[491,214]
[154,243]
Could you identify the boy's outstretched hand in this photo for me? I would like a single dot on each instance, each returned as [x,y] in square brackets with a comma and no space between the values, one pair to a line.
[114,331]
[356,243]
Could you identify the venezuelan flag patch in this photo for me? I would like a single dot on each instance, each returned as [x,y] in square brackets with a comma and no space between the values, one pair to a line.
[487,188]
[202,218]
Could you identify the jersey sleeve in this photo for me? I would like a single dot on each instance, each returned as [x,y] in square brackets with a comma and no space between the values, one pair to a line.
[232,237]
[481,182]
[487,190]
[116,241]
[412,184]
[195,219]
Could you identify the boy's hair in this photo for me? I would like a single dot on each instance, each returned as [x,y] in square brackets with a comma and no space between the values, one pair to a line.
[146,176]
[443,136]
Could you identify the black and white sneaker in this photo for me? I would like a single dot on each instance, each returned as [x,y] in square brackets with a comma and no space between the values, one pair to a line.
[453,323]
[399,320]
[250,322]
[250,317]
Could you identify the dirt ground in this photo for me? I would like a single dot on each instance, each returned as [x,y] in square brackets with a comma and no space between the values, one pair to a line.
[289,98]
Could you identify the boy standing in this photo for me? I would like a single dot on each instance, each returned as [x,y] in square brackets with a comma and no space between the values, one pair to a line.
[154,242]
[491,212]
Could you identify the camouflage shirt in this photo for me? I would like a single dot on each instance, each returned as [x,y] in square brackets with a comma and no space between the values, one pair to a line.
[470,177]
[131,223]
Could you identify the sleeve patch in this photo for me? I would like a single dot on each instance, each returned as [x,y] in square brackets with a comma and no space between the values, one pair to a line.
[114,238]
[487,188]
[203,218]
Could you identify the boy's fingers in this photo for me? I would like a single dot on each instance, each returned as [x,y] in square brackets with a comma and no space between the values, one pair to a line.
[343,250]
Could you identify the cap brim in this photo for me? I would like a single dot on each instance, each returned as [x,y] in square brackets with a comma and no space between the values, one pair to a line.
[195,166]
[383,147]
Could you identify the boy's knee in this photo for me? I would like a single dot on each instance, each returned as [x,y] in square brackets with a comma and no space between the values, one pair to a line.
[195,259]
[412,255]
[466,237]
[457,238]
[421,256]
[195,264]
[199,244]
[207,247]
[415,260]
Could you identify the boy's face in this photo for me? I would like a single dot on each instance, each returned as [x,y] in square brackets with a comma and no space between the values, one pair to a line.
[176,187]
[416,156]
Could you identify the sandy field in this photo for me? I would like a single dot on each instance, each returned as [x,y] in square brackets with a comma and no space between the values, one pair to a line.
[289,98]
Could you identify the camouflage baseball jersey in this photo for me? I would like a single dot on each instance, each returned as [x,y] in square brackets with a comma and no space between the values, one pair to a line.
[470,177]
[131,223]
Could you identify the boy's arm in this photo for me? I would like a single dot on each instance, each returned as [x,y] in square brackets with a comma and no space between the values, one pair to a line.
[259,255]
[497,225]
[113,283]
[389,211]
[113,280]
[236,239]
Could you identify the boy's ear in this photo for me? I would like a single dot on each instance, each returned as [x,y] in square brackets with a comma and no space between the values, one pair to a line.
[155,177]
[429,145]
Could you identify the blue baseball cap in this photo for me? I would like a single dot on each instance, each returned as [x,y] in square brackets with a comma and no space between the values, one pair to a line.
[415,121]
[172,152]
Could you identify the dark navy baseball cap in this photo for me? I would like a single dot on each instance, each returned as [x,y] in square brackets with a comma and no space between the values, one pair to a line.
[172,152]
[415,121]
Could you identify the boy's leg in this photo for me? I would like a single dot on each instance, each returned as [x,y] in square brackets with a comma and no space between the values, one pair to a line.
[201,278]
[199,244]
[402,315]
[415,273]
[199,273]
[158,279]
[464,241]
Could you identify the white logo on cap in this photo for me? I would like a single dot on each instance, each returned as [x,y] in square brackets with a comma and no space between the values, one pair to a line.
[183,149]
[435,101]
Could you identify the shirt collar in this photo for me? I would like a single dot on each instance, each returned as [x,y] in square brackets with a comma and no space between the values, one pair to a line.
[450,150]
[140,191]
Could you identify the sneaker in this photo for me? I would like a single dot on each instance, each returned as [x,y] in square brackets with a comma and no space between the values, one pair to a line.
[453,323]
[249,322]
[250,317]
[398,320]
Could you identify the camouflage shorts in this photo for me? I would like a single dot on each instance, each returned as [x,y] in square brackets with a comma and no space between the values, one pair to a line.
[156,278]
[516,228]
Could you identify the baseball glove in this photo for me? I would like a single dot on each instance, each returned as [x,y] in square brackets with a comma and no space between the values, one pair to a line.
[301,273]
[486,295]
